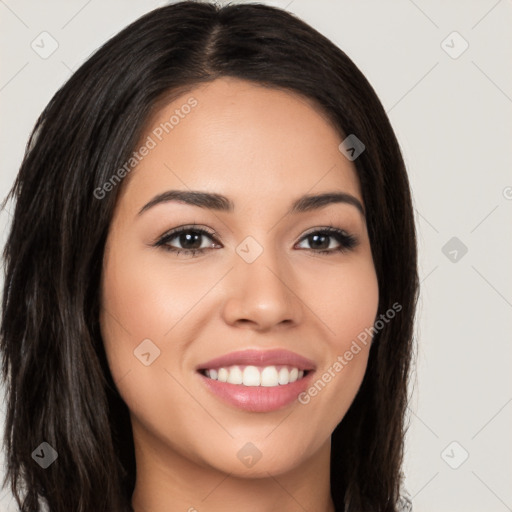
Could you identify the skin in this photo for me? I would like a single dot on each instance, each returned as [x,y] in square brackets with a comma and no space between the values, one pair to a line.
[263,148]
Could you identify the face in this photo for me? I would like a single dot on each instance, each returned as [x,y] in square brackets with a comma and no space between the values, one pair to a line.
[185,284]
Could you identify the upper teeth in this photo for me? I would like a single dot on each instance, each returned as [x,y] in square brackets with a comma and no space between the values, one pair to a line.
[256,376]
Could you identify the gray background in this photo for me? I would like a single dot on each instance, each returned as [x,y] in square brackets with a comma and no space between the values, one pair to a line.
[452,116]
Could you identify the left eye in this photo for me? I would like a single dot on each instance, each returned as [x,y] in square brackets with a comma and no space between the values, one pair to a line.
[317,240]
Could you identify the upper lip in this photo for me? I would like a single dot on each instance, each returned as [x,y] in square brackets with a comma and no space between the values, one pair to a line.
[259,358]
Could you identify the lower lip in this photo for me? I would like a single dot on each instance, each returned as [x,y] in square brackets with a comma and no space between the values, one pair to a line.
[258,398]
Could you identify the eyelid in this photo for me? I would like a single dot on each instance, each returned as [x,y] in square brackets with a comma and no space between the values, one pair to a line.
[212,233]
[162,239]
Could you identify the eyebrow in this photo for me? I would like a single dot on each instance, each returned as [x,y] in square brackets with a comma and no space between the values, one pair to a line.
[218,202]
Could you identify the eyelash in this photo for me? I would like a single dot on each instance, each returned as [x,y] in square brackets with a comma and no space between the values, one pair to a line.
[347,242]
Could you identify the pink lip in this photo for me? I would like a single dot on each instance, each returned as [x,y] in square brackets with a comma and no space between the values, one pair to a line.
[256,398]
[259,358]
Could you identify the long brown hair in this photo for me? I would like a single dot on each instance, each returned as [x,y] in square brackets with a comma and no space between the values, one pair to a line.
[59,387]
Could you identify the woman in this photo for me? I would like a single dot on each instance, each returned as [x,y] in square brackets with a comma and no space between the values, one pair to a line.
[210,277]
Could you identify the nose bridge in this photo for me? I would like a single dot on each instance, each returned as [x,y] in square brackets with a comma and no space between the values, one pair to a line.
[263,285]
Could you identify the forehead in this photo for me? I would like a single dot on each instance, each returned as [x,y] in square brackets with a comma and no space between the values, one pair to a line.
[244,140]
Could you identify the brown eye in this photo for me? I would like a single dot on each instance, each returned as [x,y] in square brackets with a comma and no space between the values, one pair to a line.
[322,241]
[189,240]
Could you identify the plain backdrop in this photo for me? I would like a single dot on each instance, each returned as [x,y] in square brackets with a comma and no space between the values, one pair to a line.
[440,69]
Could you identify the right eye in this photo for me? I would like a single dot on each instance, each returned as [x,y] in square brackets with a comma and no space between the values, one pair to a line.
[189,237]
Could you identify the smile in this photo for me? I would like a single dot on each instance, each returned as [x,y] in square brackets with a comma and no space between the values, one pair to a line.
[257,380]
[268,376]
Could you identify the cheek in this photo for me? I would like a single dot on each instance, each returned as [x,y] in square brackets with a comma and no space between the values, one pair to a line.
[142,298]
[344,297]
[148,307]
[139,308]
[358,305]
[134,310]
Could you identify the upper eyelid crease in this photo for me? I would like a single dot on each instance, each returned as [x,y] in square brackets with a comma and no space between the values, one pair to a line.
[214,234]
[219,202]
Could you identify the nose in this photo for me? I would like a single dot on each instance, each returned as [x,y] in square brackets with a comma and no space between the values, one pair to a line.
[263,294]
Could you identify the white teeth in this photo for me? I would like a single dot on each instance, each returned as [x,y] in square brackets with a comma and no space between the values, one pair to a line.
[252,376]
[284,376]
[268,376]
[235,375]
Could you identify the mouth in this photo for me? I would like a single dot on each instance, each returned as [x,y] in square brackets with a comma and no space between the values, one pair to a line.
[257,381]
